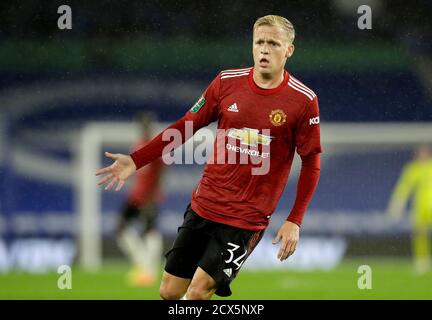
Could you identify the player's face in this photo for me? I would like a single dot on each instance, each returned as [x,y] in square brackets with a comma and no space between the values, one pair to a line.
[423,153]
[271,49]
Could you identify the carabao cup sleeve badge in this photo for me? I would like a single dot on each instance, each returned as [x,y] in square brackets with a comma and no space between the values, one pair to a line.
[201,101]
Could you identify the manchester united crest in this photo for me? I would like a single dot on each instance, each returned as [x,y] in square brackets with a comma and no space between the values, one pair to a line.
[277,117]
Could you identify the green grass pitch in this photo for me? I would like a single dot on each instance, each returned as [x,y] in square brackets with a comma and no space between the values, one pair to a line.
[391,279]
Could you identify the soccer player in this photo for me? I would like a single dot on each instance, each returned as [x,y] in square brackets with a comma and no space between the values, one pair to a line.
[416,182]
[267,115]
[137,233]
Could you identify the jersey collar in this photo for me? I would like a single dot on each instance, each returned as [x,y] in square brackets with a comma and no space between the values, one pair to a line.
[255,88]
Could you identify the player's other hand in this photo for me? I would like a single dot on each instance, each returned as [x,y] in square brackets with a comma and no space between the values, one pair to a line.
[117,173]
[289,234]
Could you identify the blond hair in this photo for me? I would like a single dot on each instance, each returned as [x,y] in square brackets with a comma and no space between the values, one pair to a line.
[273,20]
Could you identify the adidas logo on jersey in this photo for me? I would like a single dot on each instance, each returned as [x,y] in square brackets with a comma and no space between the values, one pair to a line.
[233,108]
[228,272]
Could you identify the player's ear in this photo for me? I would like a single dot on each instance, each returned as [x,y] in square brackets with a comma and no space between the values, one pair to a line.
[290,50]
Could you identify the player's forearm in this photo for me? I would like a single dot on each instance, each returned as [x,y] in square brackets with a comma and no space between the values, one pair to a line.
[156,147]
[308,180]
[402,191]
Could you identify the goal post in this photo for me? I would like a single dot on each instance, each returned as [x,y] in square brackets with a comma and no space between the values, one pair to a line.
[92,138]
[337,138]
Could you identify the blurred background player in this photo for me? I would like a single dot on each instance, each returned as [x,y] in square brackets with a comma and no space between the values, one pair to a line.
[137,233]
[416,182]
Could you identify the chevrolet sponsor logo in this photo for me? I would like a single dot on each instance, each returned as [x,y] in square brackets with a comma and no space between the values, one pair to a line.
[250,137]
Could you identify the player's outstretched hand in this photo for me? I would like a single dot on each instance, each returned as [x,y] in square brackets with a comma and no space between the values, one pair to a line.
[289,234]
[122,168]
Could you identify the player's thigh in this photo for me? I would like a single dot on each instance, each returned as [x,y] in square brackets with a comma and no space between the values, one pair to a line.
[173,287]
[148,216]
[202,286]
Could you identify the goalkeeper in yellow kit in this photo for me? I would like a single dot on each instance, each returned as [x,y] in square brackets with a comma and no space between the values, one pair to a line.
[416,182]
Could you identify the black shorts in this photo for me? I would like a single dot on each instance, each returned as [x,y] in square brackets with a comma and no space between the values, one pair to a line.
[145,214]
[220,250]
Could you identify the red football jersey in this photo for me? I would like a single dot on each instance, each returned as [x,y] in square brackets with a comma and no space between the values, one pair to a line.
[266,126]
[230,193]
